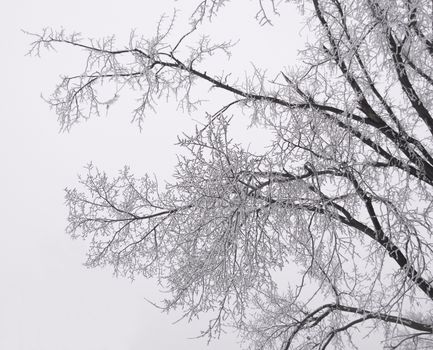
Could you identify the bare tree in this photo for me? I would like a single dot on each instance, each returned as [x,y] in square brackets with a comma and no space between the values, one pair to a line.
[344,192]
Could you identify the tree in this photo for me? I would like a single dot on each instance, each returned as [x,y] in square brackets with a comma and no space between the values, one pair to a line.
[344,191]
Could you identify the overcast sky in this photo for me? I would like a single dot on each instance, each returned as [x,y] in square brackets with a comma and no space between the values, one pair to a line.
[48,300]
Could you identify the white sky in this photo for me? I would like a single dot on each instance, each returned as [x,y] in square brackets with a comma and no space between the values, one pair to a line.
[48,300]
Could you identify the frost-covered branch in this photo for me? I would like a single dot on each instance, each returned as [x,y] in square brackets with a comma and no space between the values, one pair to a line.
[343,191]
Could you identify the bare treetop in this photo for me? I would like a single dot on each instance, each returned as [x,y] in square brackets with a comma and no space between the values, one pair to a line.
[340,201]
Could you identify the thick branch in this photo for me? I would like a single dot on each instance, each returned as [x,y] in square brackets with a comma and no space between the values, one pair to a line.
[319,314]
